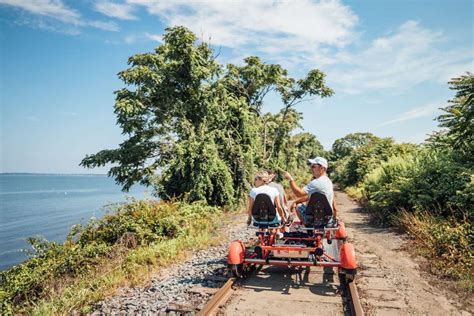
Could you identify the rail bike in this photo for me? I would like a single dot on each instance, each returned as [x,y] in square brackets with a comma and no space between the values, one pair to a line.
[314,244]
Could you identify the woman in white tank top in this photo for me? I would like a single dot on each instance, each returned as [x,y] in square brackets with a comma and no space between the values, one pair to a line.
[261,187]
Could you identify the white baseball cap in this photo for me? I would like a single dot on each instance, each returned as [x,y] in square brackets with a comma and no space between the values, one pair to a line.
[320,161]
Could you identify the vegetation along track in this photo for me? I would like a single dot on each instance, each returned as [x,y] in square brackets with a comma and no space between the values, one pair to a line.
[283,290]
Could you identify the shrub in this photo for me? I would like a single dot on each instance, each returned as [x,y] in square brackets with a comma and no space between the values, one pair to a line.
[352,169]
[448,243]
[137,224]
[423,180]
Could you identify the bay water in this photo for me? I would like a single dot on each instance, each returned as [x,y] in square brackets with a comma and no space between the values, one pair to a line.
[48,205]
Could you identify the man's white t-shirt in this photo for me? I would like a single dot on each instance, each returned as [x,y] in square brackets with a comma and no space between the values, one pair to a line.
[265,189]
[322,185]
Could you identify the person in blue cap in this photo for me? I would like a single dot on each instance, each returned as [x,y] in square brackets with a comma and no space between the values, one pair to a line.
[320,183]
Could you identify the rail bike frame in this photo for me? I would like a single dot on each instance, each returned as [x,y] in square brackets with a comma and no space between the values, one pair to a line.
[296,246]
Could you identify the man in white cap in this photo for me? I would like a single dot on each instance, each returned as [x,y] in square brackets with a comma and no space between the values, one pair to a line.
[320,183]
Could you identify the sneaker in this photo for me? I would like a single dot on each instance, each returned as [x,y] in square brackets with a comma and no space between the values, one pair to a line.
[291,218]
[331,223]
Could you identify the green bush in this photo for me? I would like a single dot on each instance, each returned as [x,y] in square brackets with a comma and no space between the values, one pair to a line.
[438,177]
[448,243]
[426,179]
[351,170]
[137,224]
[386,188]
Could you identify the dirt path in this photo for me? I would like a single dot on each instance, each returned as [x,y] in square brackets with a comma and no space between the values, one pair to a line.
[389,280]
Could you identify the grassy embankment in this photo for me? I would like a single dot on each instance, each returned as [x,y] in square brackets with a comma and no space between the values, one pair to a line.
[121,249]
[429,195]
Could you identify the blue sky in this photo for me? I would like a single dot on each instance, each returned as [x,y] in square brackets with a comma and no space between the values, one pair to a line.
[388,62]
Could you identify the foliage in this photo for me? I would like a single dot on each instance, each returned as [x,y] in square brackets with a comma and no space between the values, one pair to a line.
[458,119]
[195,127]
[352,169]
[254,80]
[447,243]
[272,126]
[197,158]
[418,181]
[298,150]
[171,95]
[344,146]
[118,238]
[428,190]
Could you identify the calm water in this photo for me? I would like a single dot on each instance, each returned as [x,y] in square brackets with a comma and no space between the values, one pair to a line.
[48,205]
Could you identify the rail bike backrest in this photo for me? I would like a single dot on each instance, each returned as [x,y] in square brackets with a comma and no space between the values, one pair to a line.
[264,212]
[318,211]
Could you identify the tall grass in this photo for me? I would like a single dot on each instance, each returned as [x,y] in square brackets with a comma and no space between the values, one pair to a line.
[447,243]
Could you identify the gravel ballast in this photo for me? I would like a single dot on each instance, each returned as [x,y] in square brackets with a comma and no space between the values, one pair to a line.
[183,288]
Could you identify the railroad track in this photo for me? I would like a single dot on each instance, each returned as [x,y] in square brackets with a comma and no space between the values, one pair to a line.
[219,298]
[280,290]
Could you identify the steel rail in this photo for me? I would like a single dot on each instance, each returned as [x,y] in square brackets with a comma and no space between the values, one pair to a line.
[223,294]
[356,307]
[219,298]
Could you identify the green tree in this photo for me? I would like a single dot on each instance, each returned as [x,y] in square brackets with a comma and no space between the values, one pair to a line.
[196,172]
[299,149]
[169,111]
[274,126]
[459,118]
[255,79]
[352,169]
[193,127]
[344,146]
[295,92]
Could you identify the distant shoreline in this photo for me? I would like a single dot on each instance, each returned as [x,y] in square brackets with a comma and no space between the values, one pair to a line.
[50,174]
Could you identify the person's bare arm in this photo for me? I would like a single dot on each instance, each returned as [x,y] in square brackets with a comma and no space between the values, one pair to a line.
[299,192]
[334,207]
[279,209]
[249,210]
[299,200]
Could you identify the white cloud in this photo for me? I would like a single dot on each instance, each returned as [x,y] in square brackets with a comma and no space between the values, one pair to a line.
[136,38]
[51,8]
[272,27]
[407,57]
[106,26]
[307,34]
[46,25]
[56,10]
[428,110]
[130,39]
[115,10]
[154,37]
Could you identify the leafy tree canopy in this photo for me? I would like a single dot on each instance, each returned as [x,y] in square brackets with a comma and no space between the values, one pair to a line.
[194,127]
[344,146]
[458,119]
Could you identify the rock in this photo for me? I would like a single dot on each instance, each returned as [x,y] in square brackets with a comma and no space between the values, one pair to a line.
[191,283]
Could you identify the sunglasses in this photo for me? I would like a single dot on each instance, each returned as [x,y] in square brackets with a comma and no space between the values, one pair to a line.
[314,166]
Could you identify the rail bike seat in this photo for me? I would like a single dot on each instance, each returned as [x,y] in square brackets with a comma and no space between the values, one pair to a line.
[264,213]
[318,212]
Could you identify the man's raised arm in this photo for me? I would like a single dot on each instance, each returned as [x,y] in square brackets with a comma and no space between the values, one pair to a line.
[299,192]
